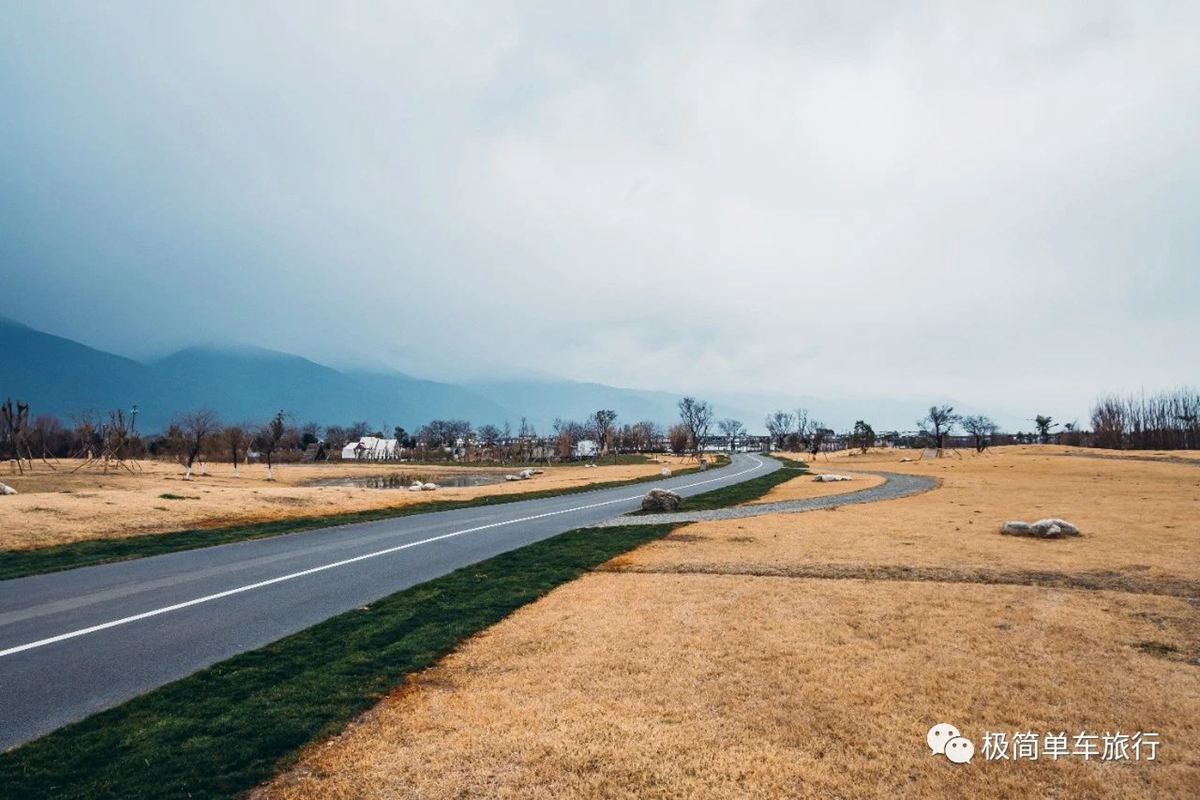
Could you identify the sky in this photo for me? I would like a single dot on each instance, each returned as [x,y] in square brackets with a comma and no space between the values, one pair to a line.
[991,202]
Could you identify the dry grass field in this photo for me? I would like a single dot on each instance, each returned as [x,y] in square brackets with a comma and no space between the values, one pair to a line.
[808,654]
[59,506]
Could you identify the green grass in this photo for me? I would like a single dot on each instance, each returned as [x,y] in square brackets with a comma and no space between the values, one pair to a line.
[169,496]
[20,563]
[745,491]
[621,459]
[226,729]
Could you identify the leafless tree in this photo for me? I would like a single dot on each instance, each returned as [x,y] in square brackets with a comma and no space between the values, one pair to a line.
[235,440]
[937,424]
[489,437]
[193,431]
[981,429]
[697,417]
[1163,421]
[779,426]
[268,436]
[733,430]
[679,437]
[817,436]
[601,424]
[15,418]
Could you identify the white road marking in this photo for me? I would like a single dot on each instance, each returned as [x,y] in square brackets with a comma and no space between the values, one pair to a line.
[292,576]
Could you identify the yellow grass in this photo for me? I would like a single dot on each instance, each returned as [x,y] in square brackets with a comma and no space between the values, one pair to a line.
[55,507]
[748,658]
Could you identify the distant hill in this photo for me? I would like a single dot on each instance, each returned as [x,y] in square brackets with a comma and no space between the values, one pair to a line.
[62,377]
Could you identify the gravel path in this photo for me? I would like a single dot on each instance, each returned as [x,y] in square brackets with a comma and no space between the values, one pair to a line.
[896,485]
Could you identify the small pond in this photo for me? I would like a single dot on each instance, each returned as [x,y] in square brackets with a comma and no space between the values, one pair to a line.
[402,480]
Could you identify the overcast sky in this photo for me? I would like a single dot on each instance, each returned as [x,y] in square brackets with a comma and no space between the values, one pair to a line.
[823,198]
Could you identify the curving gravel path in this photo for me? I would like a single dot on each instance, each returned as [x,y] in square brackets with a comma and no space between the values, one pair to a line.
[895,485]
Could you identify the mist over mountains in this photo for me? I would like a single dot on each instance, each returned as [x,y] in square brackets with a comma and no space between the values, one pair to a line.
[62,377]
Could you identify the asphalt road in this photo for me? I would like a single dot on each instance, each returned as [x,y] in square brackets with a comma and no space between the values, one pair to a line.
[77,642]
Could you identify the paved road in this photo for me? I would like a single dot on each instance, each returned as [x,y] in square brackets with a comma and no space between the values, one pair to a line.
[895,485]
[73,643]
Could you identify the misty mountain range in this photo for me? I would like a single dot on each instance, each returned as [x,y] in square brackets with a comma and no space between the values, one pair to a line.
[62,377]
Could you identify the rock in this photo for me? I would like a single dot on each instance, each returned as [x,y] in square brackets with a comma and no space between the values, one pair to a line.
[658,501]
[831,478]
[665,472]
[512,477]
[538,471]
[526,474]
[6,489]
[905,460]
[416,487]
[1066,527]
[1050,528]
[428,487]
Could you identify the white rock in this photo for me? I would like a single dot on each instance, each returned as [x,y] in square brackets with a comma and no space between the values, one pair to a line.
[831,478]
[665,472]
[416,487]
[6,489]
[429,487]
[512,478]
[526,474]
[1062,524]
[1017,528]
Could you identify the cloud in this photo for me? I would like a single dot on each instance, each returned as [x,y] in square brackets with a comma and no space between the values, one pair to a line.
[988,204]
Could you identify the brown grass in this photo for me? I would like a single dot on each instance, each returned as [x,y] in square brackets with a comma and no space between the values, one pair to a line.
[629,685]
[56,507]
[808,654]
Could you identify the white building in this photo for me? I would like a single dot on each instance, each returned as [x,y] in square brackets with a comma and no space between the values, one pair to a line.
[586,448]
[371,448]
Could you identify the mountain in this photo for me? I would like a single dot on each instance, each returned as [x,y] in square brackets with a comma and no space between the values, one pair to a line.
[61,377]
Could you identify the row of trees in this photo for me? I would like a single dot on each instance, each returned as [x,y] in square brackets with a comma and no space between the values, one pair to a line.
[1164,421]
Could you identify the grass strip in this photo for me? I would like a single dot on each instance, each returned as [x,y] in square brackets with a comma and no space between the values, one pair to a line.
[21,563]
[743,492]
[226,729]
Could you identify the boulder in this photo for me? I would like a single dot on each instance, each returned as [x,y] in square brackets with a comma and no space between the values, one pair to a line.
[6,489]
[1050,528]
[428,487]
[665,472]
[512,477]
[831,478]
[526,474]
[658,501]
[1066,527]
[416,487]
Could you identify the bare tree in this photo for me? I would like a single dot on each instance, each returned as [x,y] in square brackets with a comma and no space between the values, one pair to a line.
[489,437]
[733,430]
[601,424]
[15,419]
[268,437]
[192,431]
[937,424]
[981,429]
[817,436]
[235,440]
[679,438]
[780,425]
[697,417]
